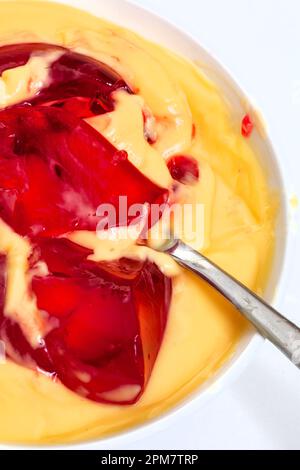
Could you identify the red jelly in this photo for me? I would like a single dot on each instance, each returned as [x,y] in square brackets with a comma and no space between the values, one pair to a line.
[106,328]
[247,126]
[55,170]
[105,321]
[82,85]
[184,169]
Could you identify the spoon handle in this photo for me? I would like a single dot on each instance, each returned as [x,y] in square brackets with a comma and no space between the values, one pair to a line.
[270,323]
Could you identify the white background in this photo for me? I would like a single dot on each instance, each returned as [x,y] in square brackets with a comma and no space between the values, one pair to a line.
[259,42]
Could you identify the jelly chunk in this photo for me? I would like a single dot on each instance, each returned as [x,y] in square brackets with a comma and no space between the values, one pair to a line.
[79,83]
[56,170]
[184,169]
[247,126]
[104,321]
[106,328]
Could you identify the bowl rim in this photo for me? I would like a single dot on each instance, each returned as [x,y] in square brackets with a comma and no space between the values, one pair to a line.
[233,367]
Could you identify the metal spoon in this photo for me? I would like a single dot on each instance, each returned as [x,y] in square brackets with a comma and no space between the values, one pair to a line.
[270,323]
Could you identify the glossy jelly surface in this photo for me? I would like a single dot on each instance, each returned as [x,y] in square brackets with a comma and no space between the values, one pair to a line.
[104,328]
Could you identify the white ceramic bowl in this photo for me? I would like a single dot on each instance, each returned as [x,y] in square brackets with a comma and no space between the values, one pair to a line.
[162,32]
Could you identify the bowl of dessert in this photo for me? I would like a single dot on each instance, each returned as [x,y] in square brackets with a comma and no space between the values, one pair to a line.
[106,139]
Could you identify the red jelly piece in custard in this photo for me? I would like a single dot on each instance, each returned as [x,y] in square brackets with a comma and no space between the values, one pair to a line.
[105,321]
[247,126]
[55,171]
[76,82]
[184,169]
[106,328]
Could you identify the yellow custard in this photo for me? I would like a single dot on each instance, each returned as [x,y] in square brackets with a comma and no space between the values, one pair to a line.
[203,329]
